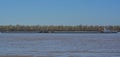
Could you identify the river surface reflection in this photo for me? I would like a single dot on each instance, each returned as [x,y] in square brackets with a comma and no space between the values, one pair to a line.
[60,44]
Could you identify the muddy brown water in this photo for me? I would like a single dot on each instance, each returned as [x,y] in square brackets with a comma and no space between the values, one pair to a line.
[59,45]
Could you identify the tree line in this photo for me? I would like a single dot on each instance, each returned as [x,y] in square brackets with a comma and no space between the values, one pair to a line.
[9,28]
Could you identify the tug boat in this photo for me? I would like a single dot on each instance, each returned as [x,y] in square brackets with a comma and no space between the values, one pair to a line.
[105,30]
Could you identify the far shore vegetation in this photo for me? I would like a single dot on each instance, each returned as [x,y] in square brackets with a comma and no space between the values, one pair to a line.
[52,28]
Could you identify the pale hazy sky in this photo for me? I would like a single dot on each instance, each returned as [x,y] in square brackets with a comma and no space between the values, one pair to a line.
[60,12]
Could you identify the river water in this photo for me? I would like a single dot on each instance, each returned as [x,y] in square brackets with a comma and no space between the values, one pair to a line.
[60,44]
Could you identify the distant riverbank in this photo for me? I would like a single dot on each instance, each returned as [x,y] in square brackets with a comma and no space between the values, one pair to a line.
[58,29]
[55,32]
